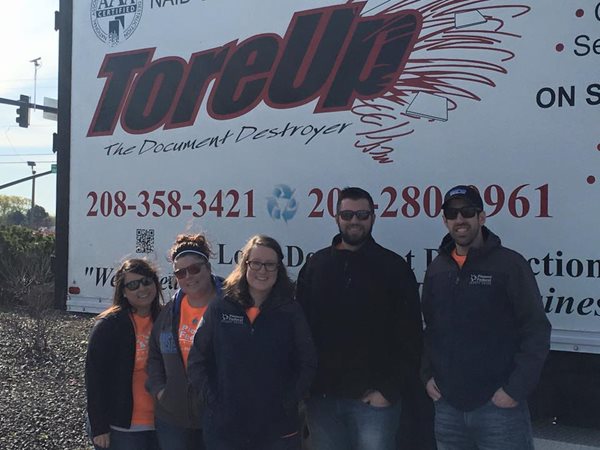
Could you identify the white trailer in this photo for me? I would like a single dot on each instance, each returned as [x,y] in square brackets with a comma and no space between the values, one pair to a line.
[240,117]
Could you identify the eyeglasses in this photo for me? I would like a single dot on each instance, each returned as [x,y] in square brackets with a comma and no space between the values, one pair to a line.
[361,214]
[466,211]
[257,265]
[192,269]
[134,285]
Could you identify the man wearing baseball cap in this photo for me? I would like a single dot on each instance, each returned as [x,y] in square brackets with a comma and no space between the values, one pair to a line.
[486,335]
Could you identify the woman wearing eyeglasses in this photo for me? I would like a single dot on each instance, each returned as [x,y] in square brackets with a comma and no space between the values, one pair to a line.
[178,409]
[253,358]
[120,410]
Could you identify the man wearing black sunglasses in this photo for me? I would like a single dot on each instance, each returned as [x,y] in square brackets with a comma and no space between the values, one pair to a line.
[486,335]
[362,304]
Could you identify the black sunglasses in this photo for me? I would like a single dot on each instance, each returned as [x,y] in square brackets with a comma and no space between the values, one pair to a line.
[192,269]
[133,285]
[361,214]
[466,211]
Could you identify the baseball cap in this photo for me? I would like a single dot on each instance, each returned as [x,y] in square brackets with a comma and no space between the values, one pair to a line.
[468,193]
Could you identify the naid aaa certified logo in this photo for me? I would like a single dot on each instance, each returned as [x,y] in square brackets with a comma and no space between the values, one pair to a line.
[114,21]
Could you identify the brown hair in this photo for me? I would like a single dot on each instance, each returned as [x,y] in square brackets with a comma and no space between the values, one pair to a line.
[236,284]
[354,193]
[190,242]
[119,302]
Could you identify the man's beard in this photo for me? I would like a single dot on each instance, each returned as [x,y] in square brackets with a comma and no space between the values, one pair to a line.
[356,240]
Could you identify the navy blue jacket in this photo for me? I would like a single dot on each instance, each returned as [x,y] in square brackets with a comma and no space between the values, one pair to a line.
[252,376]
[485,324]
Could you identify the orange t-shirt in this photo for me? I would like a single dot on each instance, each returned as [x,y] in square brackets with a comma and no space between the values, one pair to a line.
[460,259]
[143,404]
[189,321]
[252,313]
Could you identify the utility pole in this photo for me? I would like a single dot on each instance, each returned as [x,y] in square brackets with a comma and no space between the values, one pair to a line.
[32,165]
[36,63]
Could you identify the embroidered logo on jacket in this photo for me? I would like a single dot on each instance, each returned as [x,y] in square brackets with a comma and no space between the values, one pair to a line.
[232,318]
[480,280]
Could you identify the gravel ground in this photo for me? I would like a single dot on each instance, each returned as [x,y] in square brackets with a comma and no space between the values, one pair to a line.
[42,395]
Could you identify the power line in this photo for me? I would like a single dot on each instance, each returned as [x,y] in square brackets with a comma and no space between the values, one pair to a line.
[3,80]
[26,154]
[21,162]
[19,154]
[35,125]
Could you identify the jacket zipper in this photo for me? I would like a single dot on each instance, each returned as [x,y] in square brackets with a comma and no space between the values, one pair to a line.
[348,281]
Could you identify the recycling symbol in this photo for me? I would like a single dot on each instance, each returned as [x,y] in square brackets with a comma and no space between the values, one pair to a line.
[282,205]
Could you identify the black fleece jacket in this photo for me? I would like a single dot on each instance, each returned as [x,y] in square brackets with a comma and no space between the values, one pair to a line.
[364,313]
[485,324]
[252,376]
[109,372]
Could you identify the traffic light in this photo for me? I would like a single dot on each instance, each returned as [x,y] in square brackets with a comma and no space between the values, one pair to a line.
[23,111]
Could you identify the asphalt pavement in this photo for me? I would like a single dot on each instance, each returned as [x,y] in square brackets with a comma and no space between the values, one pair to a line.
[549,436]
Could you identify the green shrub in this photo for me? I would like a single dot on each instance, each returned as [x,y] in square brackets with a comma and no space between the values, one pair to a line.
[25,262]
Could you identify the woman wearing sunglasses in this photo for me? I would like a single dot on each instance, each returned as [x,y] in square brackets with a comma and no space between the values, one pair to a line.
[120,410]
[178,409]
[253,358]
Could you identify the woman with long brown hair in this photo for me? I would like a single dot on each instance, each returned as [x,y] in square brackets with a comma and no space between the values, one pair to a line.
[253,358]
[120,410]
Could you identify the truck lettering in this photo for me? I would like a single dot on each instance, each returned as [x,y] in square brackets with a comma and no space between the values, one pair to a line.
[560,267]
[568,305]
[162,3]
[593,91]
[329,53]
[583,41]
[151,95]
[102,275]
[119,69]
[111,3]
[548,97]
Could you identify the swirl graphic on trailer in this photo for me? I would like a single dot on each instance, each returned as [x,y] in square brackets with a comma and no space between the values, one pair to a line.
[439,73]
[390,65]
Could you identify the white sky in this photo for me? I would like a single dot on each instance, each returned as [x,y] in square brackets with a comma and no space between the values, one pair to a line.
[27,32]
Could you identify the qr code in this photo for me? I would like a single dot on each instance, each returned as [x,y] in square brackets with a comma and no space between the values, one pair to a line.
[144,241]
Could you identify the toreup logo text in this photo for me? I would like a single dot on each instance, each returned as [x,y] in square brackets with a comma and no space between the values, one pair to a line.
[331,54]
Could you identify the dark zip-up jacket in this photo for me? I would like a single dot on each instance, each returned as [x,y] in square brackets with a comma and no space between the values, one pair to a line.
[485,324]
[364,313]
[179,405]
[109,372]
[252,376]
